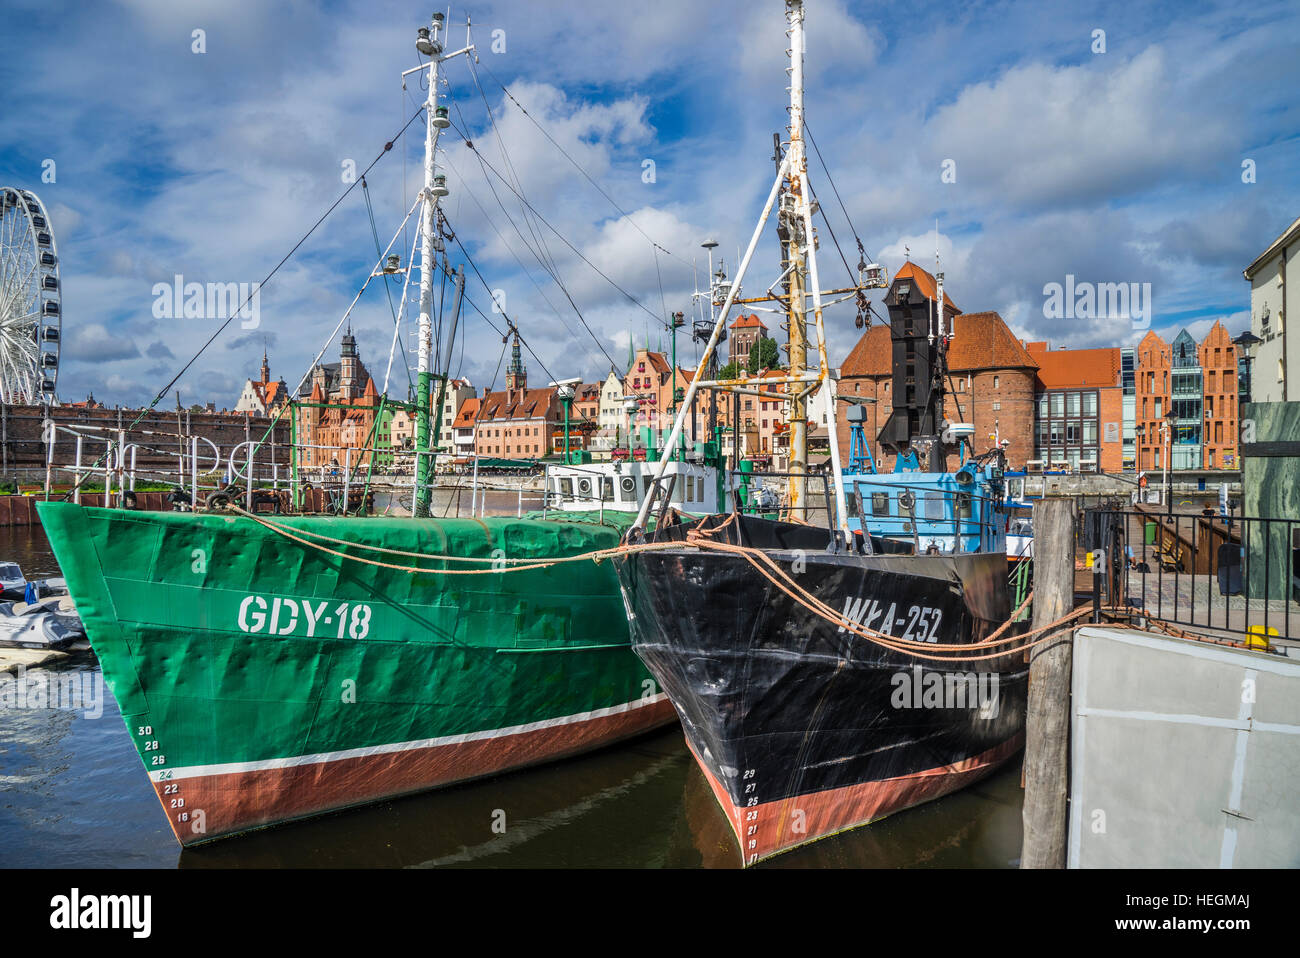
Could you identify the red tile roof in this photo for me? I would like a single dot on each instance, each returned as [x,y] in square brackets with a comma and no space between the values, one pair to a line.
[924,282]
[752,320]
[465,415]
[267,392]
[1063,368]
[533,404]
[980,341]
[657,361]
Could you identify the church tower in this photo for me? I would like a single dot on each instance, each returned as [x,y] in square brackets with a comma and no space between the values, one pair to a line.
[516,375]
[348,366]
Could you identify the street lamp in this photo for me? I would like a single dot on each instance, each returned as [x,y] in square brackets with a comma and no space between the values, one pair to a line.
[1140,430]
[1167,425]
[711,244]
[1246,345]
[565,392]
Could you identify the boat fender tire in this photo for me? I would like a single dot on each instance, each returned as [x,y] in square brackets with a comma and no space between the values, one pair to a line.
[129,500]
[218,501]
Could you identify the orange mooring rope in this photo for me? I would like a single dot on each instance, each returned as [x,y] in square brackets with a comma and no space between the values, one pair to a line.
[700,540]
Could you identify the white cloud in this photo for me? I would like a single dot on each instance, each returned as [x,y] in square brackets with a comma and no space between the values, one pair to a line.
[1042,134]
[96,344]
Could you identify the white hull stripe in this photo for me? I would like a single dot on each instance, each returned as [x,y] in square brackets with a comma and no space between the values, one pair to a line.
[196,771]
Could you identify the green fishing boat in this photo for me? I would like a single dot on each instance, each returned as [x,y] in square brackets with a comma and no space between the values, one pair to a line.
[276,665]
[267,674]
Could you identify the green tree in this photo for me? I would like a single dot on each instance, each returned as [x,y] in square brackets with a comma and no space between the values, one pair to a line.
[730,371]
[763,355]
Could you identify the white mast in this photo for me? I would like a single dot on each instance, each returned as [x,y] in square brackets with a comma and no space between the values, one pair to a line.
[803,256]
[796,214]
[800,242]
[429,42]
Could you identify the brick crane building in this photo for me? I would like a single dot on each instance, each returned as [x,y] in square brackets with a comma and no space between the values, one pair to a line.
[993,377]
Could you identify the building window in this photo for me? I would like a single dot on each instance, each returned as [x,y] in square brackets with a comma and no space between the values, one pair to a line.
[995,382]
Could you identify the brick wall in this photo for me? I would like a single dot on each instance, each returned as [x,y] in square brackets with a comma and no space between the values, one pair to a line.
[23,451]
[1154,365]
[1004,407]
[1110,409]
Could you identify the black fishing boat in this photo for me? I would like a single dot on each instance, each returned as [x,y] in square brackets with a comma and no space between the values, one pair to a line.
[802,727]
[829,675]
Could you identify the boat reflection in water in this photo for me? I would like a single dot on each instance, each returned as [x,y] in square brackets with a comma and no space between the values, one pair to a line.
[642,804]
[606,809]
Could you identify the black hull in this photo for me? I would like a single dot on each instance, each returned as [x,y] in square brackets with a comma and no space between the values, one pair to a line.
[802,728]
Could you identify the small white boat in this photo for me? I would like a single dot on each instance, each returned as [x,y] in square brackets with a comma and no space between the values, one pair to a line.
[53,586]
[12,581]
[51,623]
[1020,539]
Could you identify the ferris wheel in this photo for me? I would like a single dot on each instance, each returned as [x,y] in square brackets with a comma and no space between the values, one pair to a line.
[30,300]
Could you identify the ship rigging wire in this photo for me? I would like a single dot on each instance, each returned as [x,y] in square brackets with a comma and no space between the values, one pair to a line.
[548,267]
[234,313]
[577,252]
[374,231]
[624,213]
[510,324]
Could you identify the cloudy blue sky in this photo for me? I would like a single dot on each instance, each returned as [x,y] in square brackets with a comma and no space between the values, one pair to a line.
[1117,166]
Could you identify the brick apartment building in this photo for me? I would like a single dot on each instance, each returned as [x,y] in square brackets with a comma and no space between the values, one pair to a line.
[514,423]
[1218,358]
[1079,422]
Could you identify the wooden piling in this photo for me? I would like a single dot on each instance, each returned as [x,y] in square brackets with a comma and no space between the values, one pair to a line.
[1047,725]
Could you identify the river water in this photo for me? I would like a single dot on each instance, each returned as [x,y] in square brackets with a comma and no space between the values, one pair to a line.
[73,793]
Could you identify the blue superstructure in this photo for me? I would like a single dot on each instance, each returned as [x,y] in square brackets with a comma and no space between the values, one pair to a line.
[963,511]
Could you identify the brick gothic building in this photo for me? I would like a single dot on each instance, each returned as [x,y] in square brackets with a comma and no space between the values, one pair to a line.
[349,420]
[1199,384]
[993,379]
[745,332]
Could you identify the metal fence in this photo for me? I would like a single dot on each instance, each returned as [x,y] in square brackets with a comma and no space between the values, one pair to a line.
[1236,574]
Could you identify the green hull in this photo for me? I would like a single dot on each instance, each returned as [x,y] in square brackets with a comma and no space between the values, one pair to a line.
[263,679]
